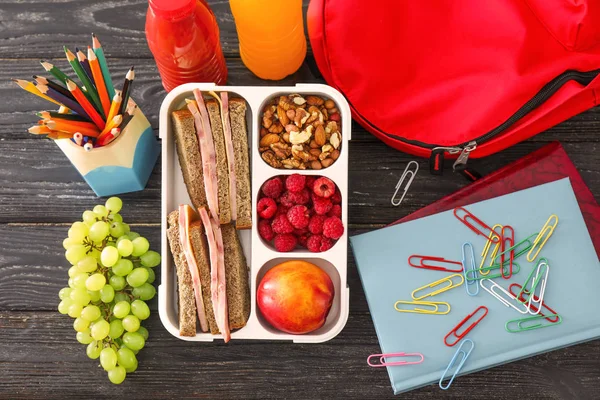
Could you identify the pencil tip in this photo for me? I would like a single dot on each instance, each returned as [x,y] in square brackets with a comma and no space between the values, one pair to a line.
[132,67]
[93,35]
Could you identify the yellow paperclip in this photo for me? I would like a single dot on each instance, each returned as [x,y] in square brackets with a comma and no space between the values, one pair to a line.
[547,230]
[434,284]
[434,304]
[486,250]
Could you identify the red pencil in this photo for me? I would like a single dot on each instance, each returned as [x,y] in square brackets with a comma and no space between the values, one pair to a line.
[109,137]
[87,106]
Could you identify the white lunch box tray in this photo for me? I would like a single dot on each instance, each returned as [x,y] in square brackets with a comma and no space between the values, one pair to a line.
[259,255]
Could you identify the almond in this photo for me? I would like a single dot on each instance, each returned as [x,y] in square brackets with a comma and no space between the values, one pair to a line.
[283,118]
[320,138]
[269,139]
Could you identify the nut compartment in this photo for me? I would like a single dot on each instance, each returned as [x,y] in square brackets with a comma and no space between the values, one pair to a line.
[257,254]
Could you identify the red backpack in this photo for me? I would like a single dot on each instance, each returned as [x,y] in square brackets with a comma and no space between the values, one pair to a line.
[461,78]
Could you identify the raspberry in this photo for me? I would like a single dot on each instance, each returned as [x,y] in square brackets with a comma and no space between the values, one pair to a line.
[326,244]
[336,198]
[310,180]
[318,243]
[273,188]
[336,211]
[324,187]
[281,209]
[295,182]
[286,199]
[298,216]
[315,226]
[301,197]
[264,230]
[281,224]
[285,242]
[266,207]
[303,239]
[333,228]
[321,205]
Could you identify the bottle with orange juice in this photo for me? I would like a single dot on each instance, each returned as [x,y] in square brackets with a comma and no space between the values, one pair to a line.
[271,34]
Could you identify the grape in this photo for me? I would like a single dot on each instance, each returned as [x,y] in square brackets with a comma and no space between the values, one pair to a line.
[81,325]
[144,332]
[122,267]
[122,237]
[95,253]
[121,297]
[87,264]
[116,329]
[88,217]
[93,350]
[73,271]
[107,294]
[140,309]
[80,279]
[95,282]
[84,338]
[68,242]
[75,253]
[140,246]
[145,292]
[150,259]
[151,275]
[75,310]
[117,282]
[121,309]
[124,246]
[71,283]
[114,205]
[94,295]
[109,256]
[126,358]
[111,244]
[108,358]
[117,229]
[117,375]
[134,340]
[137,277]
[100,329]
[100,211]
[127,228]
[91,313]
[98,231]
[78,231]
[133,235]
[115,217]
[132,369]
[131,323]
[63,306]
[80,296]
[64,293]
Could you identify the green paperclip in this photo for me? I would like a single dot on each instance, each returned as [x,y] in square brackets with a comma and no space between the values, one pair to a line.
[519,253]
[529,292]
[469,273]
[521,328]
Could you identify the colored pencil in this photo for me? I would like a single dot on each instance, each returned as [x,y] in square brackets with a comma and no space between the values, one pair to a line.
[103,65]
[78,137]
[59,135]
[128,116]
[90,92]
[57,73]
[88,146]
[113,123]
[31,88]
[39,130]
[99,81]
[64,110]
[109,137]
[67,102]
[87,106]
[129,77]
[85,64]
[58,115]
[67,127]
[44,81]
[114,107]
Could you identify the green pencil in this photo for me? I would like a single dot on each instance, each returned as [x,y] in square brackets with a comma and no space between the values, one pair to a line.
[103,66]
[90,92]
[58,74]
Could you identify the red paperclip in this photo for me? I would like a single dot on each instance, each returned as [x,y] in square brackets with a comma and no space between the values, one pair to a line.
[532,306]
[469,216]
[461,323]
[507,241]
[422,264]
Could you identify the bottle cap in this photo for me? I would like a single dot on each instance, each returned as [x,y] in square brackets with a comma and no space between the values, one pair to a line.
[173,9]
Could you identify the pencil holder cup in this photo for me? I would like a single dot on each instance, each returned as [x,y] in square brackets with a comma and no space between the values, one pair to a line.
[122,166]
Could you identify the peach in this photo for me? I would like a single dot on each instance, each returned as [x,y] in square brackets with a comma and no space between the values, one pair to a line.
[295,296]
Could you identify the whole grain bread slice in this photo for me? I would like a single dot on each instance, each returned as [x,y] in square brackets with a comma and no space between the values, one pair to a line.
[239,132]
[236,278]
[222,171]
[188,152]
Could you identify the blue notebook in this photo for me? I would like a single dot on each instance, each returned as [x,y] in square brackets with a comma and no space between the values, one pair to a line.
[572,289]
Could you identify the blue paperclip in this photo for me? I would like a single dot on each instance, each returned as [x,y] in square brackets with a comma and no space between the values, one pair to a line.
[460,365]
[472,268]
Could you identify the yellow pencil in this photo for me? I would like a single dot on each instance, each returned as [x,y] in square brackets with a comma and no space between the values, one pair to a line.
[113,123]
[114,107]
[31,88]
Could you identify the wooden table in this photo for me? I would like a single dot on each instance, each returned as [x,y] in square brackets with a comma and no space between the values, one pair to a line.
[41,195]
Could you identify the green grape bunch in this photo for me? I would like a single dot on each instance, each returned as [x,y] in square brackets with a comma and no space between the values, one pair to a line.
[110,281]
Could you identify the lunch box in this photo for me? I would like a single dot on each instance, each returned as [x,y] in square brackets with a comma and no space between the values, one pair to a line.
[260,256]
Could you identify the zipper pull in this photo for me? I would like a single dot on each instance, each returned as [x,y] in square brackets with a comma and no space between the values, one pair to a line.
[461,162]
[436,159]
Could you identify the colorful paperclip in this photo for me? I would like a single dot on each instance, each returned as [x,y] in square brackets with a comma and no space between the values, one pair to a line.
[487,270]
[454,331]
[540,279]
[438,282]
[483,229]
[545,233]
[465,355]
[486,250]
[383,357]
[507,242]
[407,172]
[533,307]
[468,262]
[520,322]
[516,249]
[440,260]
[434,304]
[502,300]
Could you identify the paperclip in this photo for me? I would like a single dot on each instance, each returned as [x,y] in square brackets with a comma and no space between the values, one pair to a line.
[434,284]
[383,363]
[517,253]
[487,270]
[502,300]
[528,295]
[486,249]
[547,230]
[453,332]
[440,260]
[453,360]
[406,172]
[472,268]
[434,304]
[536,310]
[507,242]
[469,216]
[521,328]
